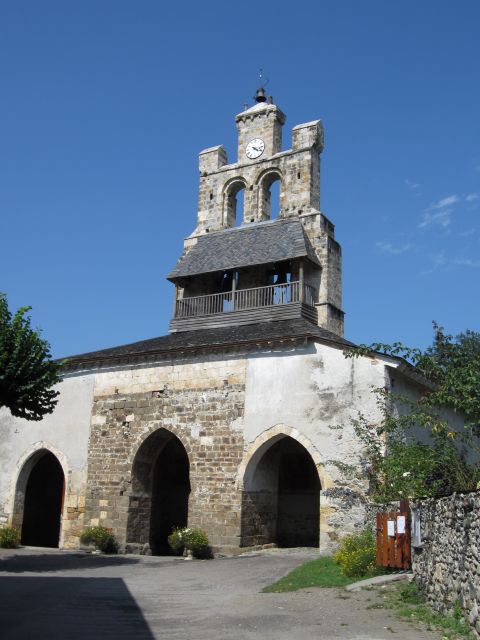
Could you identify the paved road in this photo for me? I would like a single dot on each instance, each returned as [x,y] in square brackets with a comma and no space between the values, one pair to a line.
[51,594]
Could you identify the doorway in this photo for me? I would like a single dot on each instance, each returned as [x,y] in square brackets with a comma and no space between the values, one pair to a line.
[281,500]
[43,502]
[160,492]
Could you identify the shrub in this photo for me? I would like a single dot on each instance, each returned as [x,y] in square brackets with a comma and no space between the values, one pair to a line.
[357,555]
[196,541]
[101,538]
[190,538]
[175,541]
[9,537]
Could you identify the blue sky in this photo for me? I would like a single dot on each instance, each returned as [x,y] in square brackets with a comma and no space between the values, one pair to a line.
[106,103]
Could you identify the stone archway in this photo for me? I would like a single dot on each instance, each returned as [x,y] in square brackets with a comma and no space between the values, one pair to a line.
[39,496]
[267,182]
[235,205]
[281,495]
[160,492]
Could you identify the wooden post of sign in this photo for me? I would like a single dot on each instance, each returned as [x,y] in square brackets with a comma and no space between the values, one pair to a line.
[385,539]
[391,541]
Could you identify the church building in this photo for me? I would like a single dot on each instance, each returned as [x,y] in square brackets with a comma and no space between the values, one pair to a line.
[238,421]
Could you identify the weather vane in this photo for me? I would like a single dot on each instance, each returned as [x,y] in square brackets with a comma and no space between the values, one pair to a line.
[263,81]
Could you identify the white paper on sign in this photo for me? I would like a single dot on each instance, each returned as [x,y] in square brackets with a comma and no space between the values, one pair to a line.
[400,524]
[391,527]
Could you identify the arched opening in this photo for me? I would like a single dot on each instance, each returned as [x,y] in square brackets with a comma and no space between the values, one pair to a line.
[271,196]
[239,207]
[40,493]
[275,199]
[281,499]
[160,492]
[235,204]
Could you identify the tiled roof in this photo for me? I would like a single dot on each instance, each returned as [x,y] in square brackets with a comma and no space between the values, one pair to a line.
[253,244]
[209,338]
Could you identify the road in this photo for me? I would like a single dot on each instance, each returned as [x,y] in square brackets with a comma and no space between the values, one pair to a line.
[47,594]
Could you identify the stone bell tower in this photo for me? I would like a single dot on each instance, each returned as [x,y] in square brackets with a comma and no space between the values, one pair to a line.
[268,265]
[262,122]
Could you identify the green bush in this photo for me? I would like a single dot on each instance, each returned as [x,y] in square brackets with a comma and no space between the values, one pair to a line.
[9,537]
[196,541]
[175,541]
[190,538]
[101,538]
[357,555]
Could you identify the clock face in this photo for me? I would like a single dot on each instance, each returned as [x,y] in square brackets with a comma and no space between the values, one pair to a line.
[255,148]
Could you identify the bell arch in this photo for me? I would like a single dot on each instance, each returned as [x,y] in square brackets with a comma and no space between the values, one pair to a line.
[39,498]
[270,192]
[235,196]
[281,478]
[160,490]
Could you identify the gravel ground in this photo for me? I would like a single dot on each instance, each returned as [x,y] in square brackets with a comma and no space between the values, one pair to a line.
[57,594]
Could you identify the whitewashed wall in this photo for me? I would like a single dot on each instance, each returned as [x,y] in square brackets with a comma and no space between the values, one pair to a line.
[65,433]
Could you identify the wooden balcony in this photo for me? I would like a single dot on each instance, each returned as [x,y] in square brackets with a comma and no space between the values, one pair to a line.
[245,306]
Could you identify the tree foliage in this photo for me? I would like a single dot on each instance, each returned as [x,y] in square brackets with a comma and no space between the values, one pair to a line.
[452,364]
[399,465]
[416,450]
[27,372]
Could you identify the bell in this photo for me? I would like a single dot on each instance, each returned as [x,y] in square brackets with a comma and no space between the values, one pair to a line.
[260,95]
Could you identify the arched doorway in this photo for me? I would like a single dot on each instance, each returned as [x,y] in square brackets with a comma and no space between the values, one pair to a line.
[40,491]
[281,499]
[160,492]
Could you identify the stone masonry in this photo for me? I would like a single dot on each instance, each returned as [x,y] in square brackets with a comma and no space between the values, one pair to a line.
[197,402]
[447,564]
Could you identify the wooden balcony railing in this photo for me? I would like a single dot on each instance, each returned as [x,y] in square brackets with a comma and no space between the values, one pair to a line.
[275,294]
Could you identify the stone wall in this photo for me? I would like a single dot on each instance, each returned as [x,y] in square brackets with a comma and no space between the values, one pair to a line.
[447,565]
[198,402]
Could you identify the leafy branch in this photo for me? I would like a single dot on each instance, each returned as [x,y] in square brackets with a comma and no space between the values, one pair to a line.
[27,372]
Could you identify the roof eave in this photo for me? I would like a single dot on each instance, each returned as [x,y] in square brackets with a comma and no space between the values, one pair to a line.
[171,277]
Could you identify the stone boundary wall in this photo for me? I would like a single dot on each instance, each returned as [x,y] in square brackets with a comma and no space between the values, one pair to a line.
[447,565]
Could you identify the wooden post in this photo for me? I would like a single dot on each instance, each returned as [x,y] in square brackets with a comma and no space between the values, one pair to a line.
[175,298]
[300,278]
[234,287]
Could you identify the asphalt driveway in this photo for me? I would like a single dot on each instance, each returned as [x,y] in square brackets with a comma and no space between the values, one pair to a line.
[54,594]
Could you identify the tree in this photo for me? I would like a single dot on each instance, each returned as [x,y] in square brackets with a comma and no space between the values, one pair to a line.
[398,464]
[454,365]
[27,372]
[451,364]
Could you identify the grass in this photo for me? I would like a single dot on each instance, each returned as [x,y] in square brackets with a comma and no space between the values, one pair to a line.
[409,602]
[323,572]
[405,599]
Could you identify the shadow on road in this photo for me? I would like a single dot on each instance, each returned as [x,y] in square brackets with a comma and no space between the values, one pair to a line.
[61,562]
[73,608]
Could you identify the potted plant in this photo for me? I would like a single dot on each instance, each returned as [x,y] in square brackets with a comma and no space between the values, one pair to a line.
[191,541]
[101,538]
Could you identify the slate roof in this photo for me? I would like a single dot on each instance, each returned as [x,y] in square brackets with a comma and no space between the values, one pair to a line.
[253,244]
[210,339]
